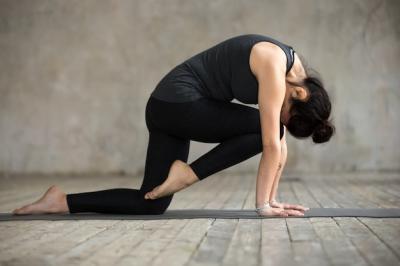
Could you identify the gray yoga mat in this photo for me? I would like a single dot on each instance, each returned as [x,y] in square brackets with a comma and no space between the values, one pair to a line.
[209,213]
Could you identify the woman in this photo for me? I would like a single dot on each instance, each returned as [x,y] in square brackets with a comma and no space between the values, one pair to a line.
[193,102]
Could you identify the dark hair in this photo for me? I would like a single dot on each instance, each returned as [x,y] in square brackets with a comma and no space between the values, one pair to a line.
[310,117]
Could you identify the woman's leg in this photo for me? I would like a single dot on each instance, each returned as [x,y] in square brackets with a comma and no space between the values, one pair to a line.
[162,151]
[235,126]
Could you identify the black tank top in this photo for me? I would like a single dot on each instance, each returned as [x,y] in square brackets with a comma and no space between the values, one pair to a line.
[221,72]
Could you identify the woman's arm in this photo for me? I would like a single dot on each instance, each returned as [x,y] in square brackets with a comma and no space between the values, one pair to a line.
[268,64]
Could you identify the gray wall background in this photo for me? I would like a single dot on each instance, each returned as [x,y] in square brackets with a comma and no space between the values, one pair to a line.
[75,77]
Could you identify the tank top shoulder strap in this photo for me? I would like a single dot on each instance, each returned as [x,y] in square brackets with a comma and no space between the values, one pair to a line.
[289,51]
[291,60]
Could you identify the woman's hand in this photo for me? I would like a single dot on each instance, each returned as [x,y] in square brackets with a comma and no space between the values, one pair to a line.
[288,206]
[275,211]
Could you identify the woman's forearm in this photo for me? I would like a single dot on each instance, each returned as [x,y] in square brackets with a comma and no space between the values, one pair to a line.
[282,164]
[274,191]
[267,171]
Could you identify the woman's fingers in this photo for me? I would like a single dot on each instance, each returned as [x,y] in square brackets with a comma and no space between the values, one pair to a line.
[283,213]
[276,205]
[296,207]
[294,212]
[289,206]
[275,211]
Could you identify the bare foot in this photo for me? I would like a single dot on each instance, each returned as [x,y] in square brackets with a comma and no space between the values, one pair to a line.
[179,177]
[53,201]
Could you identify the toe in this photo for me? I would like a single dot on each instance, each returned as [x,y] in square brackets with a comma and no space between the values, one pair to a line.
[22,210]
[150,195]
[154,194]
[27,209]
[157,192]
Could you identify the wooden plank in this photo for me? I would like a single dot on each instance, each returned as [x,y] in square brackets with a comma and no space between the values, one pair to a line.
[316,188]
[367,243]
[286,192]
[307,248]
[26,246]
[242,188]
[179,251]
[309,253]
[391,188]
[12,229]
[384,200]
[387,230]
[135,233]
[355,192]
[303,194]
[299,229]
[49,250]
[249,202]
[35,231]
[336,190]
[370,247]
[338,248]
[301,245]
[214,245]
[276,248]
[304,234]
[148,249]
[224,194]
[244,247]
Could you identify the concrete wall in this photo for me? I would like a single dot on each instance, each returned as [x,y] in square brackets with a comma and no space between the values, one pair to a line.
[75,77]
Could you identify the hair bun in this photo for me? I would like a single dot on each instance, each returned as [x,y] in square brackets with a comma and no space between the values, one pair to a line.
[323,132]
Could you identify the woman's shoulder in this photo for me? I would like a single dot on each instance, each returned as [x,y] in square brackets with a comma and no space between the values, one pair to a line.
[265,55]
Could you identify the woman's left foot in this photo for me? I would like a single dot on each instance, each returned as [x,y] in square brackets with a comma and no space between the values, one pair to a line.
[179,177]
[53,201]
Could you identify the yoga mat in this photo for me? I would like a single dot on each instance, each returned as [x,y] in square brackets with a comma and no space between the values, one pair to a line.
[209,213]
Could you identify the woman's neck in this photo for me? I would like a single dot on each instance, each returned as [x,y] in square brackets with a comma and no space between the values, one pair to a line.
[297,72]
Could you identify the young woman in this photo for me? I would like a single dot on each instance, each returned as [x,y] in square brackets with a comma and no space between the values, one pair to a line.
[193,102]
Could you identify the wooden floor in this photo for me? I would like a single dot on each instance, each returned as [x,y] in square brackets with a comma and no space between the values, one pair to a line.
[306,241]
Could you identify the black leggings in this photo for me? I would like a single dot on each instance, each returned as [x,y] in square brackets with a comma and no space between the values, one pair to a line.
[171,127]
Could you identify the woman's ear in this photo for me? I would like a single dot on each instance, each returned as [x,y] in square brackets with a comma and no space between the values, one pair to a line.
[300,93]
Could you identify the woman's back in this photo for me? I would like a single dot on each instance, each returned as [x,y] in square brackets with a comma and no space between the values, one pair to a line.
[221,72]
